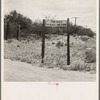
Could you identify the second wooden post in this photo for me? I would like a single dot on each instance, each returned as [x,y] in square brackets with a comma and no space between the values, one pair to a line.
[18,31]
[7,30]
[43,41]
[68,43]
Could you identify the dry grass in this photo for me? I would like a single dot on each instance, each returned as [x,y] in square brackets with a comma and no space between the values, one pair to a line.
[55,52]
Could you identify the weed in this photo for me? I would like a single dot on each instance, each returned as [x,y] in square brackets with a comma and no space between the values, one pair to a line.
[90,56]
[59,44]
[84,38]
[55,56]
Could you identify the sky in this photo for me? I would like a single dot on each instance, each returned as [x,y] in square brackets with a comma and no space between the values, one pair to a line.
[57,9]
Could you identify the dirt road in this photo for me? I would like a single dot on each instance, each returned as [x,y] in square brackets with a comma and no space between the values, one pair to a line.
[18,71]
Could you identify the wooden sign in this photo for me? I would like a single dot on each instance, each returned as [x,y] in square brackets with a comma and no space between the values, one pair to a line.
[56,23]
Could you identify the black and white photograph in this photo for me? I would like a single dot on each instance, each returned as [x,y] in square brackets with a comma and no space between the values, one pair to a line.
[49,49]
[50,40]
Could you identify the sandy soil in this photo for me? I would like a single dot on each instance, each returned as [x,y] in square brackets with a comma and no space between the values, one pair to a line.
[19,71]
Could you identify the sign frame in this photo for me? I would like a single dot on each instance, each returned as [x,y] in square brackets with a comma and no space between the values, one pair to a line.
[44,25]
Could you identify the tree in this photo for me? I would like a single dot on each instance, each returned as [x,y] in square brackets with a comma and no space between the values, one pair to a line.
[16,18]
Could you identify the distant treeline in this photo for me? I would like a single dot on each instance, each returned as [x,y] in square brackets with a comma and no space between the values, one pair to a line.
[27,26]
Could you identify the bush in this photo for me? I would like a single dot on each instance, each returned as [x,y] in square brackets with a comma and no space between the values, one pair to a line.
[27,26]
[84,38]
[14,18]
[79,30]
[90,56]
[59,44]
[78,65]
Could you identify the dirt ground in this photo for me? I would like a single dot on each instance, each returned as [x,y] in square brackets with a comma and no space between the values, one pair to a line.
[15,71]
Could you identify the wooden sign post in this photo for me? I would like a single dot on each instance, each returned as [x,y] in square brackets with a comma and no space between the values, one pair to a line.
[7,30]
[43,41]
[68,43]
[18,31]
[56,23]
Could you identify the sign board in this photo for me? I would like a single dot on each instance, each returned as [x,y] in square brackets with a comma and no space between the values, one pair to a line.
[56,23]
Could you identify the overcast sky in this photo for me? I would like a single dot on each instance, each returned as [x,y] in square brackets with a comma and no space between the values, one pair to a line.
[59,9]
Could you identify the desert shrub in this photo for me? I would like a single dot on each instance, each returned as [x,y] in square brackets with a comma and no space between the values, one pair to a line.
[80,30]
[14,18]
[52,30]
[27,26]
[59,44]
[9,41]
[78,65]
[93,68]
[55,58]
[37,27]
[16,58]
[88,32]
[84,38]
[64,68]
[51,58]
[29,50]
[90,56]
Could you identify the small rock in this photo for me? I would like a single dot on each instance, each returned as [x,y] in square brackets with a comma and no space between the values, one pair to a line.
[18,45]
[53,42]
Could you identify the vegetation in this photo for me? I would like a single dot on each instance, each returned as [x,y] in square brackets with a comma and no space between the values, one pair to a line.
[28,48]
[29,51]
[14,19]
[29,27]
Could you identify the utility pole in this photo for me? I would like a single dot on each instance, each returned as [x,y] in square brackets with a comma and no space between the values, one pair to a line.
[76,19]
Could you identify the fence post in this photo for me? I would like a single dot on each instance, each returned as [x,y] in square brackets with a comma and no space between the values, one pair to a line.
[18,31]
[43,41]
[7,30]
[68,43]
